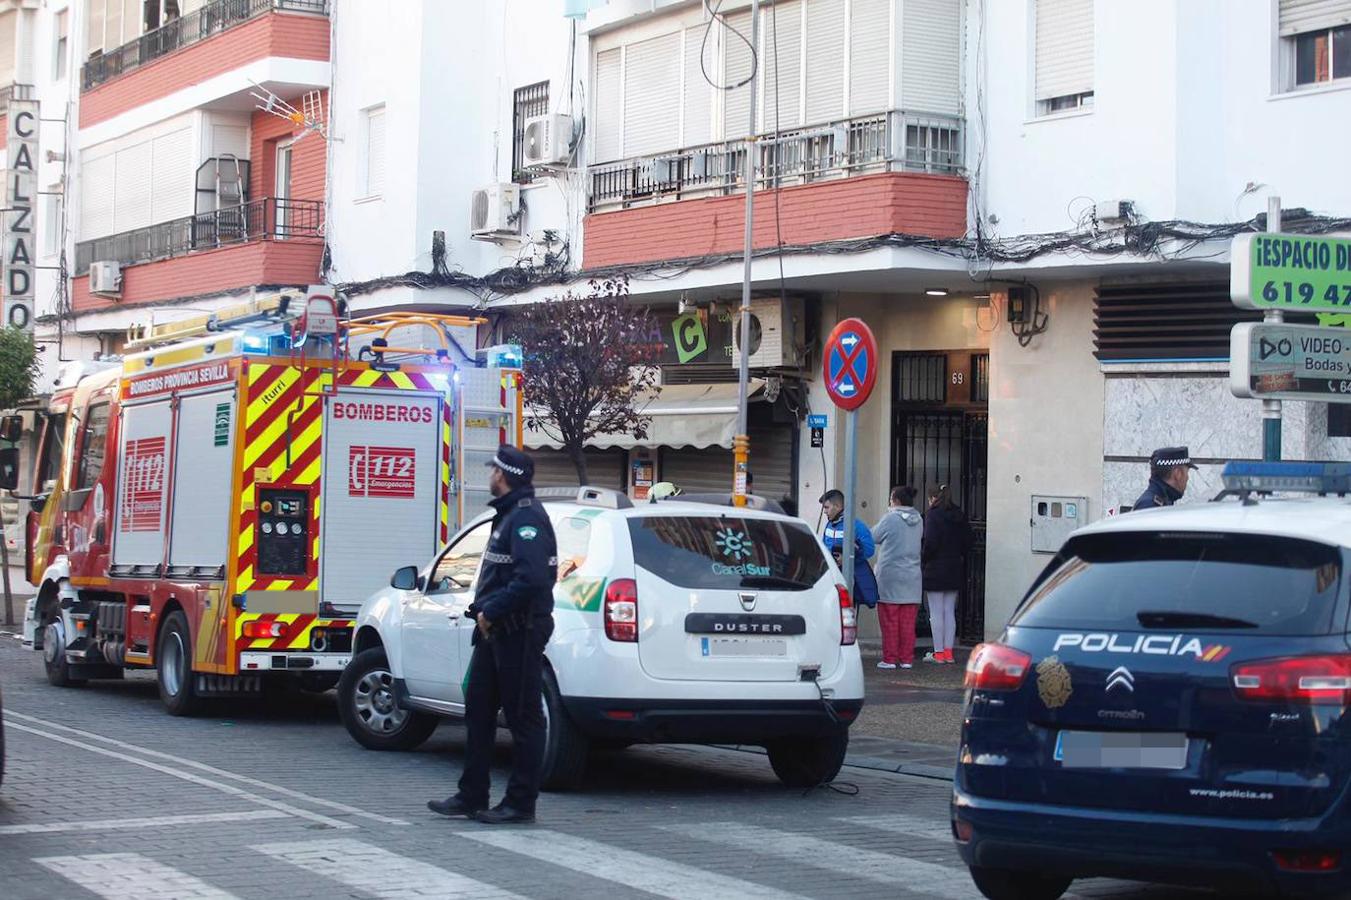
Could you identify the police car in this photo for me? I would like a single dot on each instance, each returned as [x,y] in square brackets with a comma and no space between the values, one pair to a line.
[1169,701]
[674,622]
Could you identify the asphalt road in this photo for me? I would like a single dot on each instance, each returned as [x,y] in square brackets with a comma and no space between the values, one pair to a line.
[107,796]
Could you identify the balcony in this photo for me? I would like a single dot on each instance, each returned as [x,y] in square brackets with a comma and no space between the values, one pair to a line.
[271,241]
[891,173]
[269,219]
[889,142]
[211,19]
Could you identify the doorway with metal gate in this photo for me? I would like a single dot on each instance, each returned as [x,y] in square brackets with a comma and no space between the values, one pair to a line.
[939,435]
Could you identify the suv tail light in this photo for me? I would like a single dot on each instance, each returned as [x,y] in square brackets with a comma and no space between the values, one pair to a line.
[848,617]
[996,667]
[1296,679]
[621,610]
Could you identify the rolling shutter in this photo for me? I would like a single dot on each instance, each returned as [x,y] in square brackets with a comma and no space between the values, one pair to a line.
[8,23]
[133,207]
[1299,16]
[931,57]
[173,176]
[698,99]
[609,130]
[604,468]
[97,193]
[375,152]
[1064,48]
[94,29]
[651,95]
[782,27]
[736,69]
[709,470]
[112,25]
[869,56]
[825,60]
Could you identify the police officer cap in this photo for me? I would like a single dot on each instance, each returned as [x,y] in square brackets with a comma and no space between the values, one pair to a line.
[514,463]
[1169,457]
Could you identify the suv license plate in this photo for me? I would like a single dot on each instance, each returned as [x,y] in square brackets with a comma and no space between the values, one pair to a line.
[1121,750]
[743,646]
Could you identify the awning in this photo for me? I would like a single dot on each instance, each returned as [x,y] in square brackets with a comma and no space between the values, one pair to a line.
[681,415]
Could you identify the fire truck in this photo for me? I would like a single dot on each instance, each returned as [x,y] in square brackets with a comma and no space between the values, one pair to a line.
[217,504]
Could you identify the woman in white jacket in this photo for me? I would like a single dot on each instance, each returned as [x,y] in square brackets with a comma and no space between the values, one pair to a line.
[899,534]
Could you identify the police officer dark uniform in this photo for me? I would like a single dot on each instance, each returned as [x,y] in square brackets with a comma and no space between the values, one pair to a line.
[1169,470]
[513,605]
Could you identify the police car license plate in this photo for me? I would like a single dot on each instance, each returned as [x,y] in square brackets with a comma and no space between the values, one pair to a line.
[1121,750]
[742,646]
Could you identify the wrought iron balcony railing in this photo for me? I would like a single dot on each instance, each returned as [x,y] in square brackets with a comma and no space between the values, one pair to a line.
[271,218]
[211,18]
[892,141]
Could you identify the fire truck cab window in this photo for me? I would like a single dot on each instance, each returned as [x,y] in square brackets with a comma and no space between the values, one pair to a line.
[93,445]
[53,445]
[457,569]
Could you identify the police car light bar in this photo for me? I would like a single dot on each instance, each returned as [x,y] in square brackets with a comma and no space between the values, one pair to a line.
[1301,477]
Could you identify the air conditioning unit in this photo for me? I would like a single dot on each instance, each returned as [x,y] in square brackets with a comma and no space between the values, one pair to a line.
[548,140]
[105,277]
[494,212]
[778,333]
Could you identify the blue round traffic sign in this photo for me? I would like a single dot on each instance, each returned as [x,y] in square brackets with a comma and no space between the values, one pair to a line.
[850,363]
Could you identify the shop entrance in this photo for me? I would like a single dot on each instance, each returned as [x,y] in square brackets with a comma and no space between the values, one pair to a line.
[939,435]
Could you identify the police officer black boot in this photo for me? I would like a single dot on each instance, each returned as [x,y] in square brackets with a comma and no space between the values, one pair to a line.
[501,814]
[453,806]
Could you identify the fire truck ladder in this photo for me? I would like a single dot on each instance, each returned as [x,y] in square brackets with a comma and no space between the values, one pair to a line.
[256,309]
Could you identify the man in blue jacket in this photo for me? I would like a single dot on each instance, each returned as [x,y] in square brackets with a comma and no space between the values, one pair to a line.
[1169,470]
[864,588]
[513,605]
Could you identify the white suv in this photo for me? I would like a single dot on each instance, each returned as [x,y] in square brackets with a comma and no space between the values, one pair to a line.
[674,622]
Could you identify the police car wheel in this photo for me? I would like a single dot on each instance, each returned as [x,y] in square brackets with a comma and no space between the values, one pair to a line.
[565,747]
[805,762]
[1011,884]
[54,656]
[368,707]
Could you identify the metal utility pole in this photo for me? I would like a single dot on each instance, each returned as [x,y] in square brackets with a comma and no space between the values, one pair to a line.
[741,444]
[1271,409]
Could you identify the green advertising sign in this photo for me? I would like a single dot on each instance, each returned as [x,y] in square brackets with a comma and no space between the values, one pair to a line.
[1290,271]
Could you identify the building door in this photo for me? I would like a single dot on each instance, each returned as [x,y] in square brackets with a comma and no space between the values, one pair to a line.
[939,434]
[282,188]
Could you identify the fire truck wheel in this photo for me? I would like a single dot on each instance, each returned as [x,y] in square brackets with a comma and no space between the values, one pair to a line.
[173,671]
[367,706]
[54,656]
[565,748]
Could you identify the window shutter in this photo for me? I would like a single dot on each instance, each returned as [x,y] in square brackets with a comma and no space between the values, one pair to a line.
[112,25]
[737,68]
[609,129]
[651,95]
[1299,16]
[1064,48]
[375,152]
[698,98]
[782,26]
[97,193]
[825,60]
[931,57]
[8,21]
[172,194]
[869,52]
[132,209]
[94,28]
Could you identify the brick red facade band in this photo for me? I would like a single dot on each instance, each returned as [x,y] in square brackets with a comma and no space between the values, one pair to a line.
[886,203]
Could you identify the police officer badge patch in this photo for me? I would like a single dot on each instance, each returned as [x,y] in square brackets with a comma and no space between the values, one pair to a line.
[527,532]
[1053,682]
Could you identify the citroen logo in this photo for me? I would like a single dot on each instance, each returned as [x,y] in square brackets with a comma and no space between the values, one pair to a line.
[747,600]
[1121,677]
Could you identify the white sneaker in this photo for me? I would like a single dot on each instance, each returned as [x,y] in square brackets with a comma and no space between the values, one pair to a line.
[883,664]
[906,666]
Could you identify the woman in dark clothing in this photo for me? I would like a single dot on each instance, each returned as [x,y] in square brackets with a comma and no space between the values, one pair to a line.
[947,538]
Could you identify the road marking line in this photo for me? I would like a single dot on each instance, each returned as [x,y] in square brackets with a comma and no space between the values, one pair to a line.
[636,870]
[130,876]
[248,815]
[911,826]
[188,776]
[221,773]
[854,862]
[381,873]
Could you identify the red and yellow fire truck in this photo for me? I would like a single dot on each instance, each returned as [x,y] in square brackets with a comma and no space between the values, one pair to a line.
[217,505]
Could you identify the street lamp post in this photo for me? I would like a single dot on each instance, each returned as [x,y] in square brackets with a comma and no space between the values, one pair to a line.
[741,444]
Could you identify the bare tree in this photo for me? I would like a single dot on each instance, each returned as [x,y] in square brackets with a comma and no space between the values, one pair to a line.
[590,365]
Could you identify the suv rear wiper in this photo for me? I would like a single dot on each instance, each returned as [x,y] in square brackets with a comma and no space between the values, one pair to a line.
[772,581]
[1190,620]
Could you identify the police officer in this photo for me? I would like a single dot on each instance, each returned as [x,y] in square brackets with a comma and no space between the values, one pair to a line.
[513,607]
[1169,470]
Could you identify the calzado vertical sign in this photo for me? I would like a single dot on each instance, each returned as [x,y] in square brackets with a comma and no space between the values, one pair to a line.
[21,183]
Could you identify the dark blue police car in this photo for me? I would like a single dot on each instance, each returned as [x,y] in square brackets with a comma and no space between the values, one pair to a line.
[1170,702]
